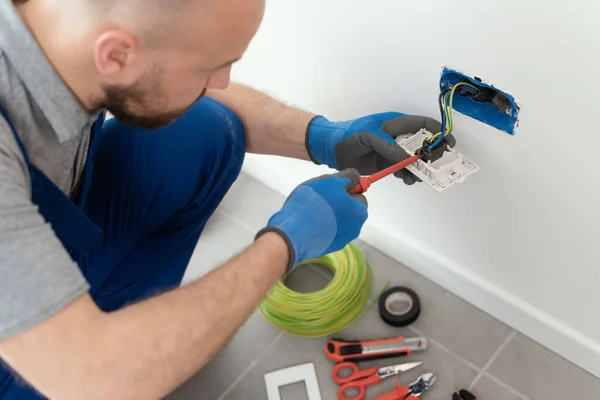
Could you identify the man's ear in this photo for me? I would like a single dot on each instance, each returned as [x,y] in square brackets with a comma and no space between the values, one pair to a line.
[116,54]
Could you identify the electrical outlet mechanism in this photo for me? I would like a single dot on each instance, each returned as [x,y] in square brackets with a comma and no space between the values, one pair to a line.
[438,163]
[440,172]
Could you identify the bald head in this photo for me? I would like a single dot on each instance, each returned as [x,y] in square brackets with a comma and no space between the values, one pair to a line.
[146,61]
[154,21]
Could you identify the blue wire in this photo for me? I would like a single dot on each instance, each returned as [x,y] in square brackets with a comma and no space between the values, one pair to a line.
[439,139]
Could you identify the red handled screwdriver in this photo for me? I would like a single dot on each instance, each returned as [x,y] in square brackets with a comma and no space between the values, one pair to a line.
[366,181]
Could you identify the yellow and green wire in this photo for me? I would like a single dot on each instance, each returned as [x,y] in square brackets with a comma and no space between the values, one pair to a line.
[327,311]
[447,122]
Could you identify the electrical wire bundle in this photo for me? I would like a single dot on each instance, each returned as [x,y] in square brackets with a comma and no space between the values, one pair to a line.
[341,303]
[445,101]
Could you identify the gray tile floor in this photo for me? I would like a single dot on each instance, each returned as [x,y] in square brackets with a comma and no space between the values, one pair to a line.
[467,348]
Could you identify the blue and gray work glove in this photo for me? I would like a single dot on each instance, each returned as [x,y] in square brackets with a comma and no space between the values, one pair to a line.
[320,217]
[366,144]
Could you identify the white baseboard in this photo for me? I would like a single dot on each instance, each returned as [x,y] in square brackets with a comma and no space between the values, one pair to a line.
[483,294]
[500,303]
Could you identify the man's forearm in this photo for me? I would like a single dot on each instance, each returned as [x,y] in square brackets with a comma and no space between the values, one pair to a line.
[146,350]
[182,330]
[271,126]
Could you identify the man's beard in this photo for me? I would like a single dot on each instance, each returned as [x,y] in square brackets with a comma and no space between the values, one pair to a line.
[118,102]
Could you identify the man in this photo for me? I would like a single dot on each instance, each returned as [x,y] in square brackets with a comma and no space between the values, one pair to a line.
[98,220]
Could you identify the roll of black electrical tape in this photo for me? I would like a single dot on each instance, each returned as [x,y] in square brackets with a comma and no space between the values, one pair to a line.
[399,306]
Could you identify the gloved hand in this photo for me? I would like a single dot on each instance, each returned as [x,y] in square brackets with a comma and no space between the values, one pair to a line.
[366,144]
[320,217]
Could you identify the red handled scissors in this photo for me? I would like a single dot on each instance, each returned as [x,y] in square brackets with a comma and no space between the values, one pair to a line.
[359,380]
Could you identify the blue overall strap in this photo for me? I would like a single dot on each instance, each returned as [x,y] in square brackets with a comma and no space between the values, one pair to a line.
[73,228]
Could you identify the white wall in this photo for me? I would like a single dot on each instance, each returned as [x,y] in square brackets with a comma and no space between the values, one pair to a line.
[520,238]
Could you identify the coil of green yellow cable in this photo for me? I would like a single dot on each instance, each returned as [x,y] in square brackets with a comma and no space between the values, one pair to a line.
[342,302]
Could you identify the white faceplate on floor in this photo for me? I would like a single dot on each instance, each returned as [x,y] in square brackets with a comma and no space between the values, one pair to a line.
[299,373]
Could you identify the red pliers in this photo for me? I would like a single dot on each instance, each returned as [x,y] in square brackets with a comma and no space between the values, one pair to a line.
[412,391]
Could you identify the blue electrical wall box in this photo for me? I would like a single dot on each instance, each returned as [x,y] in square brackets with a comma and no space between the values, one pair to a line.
[491,106]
